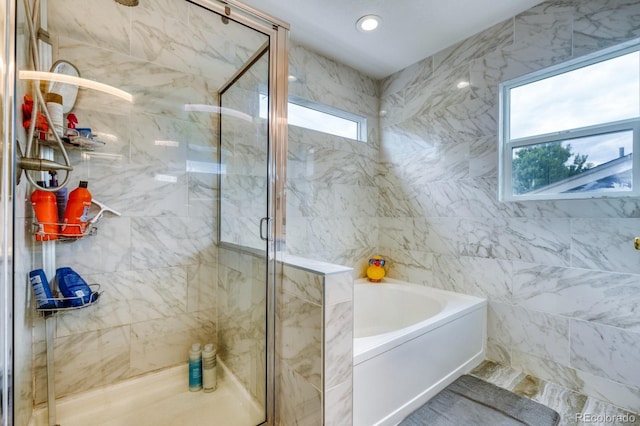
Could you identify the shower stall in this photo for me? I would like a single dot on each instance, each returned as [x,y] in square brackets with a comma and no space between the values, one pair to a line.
[174,112]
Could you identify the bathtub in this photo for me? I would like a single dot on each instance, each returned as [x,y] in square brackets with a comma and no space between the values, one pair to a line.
[410,341]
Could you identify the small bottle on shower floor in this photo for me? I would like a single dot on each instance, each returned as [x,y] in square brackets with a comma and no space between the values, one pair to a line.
[209,363]
[195,368]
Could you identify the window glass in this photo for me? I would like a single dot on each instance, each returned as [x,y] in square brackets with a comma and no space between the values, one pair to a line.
[571,130]
[599,93]
[322,118]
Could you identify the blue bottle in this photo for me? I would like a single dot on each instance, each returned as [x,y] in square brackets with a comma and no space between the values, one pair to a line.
[75,289]
[41,289]
[195,367]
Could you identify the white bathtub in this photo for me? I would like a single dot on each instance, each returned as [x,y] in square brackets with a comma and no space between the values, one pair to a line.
[410,341]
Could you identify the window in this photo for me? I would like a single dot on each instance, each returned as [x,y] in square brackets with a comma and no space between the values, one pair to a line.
[322,118]
[570,131]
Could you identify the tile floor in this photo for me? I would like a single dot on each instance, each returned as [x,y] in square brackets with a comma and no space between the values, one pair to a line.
[569,404]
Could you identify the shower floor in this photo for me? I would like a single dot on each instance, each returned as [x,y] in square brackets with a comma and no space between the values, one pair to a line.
[156,400]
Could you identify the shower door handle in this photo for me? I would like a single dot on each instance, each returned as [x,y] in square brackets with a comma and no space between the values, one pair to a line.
[266,220]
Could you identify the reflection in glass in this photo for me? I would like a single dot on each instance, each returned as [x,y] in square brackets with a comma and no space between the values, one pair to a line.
[595,163]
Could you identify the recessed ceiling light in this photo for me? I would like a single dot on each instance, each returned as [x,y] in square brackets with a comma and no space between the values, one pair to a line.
[292,78]
[462,84]
[368,23]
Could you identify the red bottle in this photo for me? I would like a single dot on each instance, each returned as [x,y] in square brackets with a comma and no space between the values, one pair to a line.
[44,205]
[76,214]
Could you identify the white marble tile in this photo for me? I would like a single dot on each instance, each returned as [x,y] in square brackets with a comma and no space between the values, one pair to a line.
[299,403]
[104,24]
[545,241]
[301,334]
[303,284]
[202,284]
[539,334]
[411,265]
[338,288]
[165,342]
[606,413]
[84,361]
[600,24]
[606,351]
[107,251]
[605,244]
[436,235]
[338,344]
[597,296]
[171,241]
[488,278]
[338,405]
[489,40]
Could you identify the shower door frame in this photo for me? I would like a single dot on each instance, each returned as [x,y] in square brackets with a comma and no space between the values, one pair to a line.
[278,33]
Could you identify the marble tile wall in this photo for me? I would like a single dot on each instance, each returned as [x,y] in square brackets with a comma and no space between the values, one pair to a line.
[314,343]
[331,181]
[158,263]
[561,276]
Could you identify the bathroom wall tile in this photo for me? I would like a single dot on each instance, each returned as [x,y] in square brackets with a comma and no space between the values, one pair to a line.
[245,42]
[303,284]
[498,352]
[107,251]
[495,38]
[172,240]
[166,342]
[202,284]
[500,317]
[100,23]
[241,310]
[303,404]
[338,404]
[626,397]
[415,73]
[437,235]
[87,360]
[341,233]
[433,163]
[488,278]
[176,44]
[545,241]
[338,288]
[539,334]
[483,157]
[176,10]
[128,297]
[411,265]
[605,351]
[601,24]
[301,330]
[605,244]
[338,344]
[601,297]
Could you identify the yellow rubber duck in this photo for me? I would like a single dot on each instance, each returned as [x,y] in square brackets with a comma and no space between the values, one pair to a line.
[375,271]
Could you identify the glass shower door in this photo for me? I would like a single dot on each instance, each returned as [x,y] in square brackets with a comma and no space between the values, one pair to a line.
[244,262]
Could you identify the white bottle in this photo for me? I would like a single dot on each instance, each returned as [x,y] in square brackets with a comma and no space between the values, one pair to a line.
[195,368]
[54,107]
[209,364]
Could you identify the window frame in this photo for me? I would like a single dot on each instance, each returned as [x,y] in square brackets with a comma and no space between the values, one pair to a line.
[360,121]
[507,145]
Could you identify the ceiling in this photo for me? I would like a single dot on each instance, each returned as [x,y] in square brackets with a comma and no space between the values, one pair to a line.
[410,30]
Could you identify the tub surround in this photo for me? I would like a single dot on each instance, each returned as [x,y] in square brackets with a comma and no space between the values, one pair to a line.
[406,364]
[314,343]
